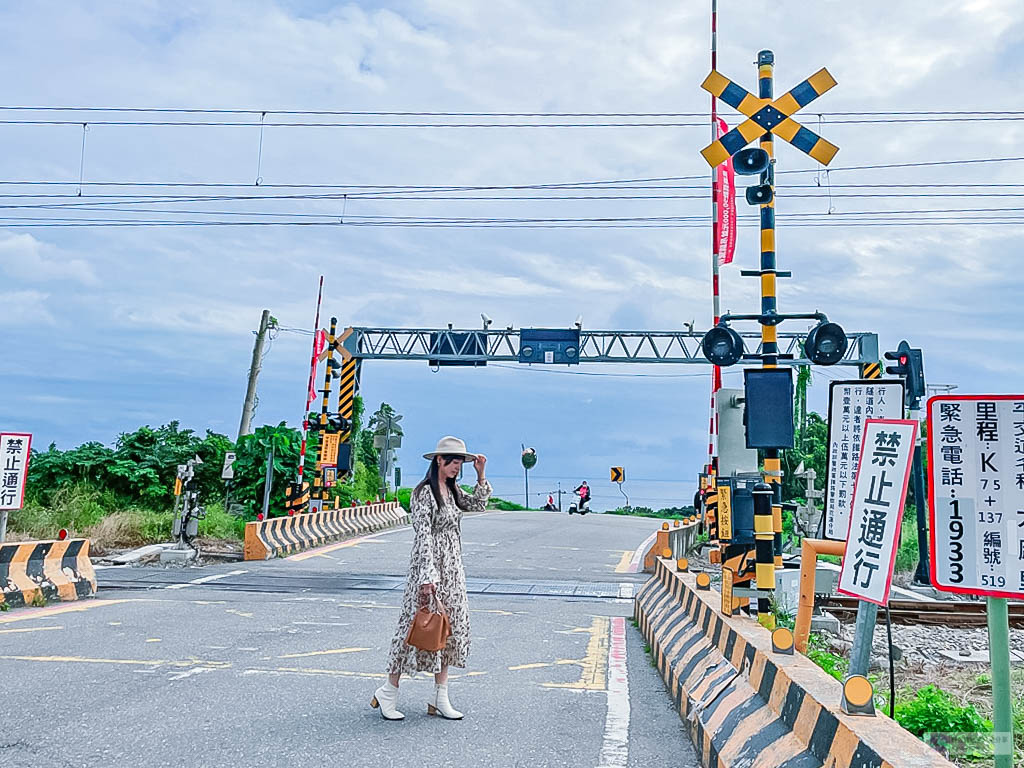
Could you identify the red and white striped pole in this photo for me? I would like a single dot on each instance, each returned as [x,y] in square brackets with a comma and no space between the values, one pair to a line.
[312,376]
[716,375]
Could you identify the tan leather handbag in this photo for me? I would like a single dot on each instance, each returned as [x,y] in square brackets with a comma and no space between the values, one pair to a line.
[430,631]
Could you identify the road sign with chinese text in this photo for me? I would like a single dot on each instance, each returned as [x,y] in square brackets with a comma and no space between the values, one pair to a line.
[850,403]
[976,494]
[15,450]
[329,450]
[880,489]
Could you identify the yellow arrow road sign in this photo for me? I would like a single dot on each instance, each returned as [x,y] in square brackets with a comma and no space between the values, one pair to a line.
[618,475]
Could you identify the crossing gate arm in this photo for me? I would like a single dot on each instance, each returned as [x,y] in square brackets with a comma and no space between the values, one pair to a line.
[476,346]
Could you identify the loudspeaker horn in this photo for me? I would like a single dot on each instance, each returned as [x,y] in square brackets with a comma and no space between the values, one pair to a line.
[750,161]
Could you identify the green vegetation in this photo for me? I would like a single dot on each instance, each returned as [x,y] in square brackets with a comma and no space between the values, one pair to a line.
[819,651]
[123,496]
[934,714]
[669,513]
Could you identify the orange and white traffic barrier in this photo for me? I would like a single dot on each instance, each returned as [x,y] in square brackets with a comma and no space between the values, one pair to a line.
[286,535]
[31,571]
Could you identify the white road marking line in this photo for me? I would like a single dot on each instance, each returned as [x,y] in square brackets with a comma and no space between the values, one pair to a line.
[189,673]
[205,579]
[638,556]
[626,590]
[615,747]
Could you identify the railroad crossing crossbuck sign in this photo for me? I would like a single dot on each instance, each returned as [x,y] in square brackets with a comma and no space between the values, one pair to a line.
[767,116]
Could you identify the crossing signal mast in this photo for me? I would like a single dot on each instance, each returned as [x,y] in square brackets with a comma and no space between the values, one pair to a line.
[767,389]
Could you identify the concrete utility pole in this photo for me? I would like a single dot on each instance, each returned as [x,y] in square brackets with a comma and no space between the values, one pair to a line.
[254,372]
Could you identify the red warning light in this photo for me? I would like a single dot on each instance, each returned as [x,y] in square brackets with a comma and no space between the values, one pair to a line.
[62,534]
[259,516]
[291,512]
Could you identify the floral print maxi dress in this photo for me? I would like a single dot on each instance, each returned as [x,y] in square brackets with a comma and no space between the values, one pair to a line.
[436,559]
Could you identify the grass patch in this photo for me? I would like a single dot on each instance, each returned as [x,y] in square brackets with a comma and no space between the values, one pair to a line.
[819,651]
[671,513]
[110,524]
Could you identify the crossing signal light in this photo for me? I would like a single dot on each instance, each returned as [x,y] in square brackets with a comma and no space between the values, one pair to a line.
[338,423]
[722,346]
[826,343]
[759,195]
[909,366]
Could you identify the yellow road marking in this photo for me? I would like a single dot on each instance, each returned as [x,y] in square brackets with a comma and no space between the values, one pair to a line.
[322,653]
[153,640]
[623,566]
[43,613]
[28,629]
[593,675]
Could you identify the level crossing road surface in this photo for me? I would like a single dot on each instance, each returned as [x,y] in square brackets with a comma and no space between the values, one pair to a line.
[274,663]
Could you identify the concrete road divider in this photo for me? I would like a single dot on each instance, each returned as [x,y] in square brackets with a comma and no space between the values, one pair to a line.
[31,571]
[680,539]
[747,706]
[278,536]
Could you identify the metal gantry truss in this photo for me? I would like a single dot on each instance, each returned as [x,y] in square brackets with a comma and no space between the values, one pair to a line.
[469,346]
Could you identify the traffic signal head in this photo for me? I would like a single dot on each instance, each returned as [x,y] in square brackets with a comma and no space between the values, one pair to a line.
[722,345]
[902,358]
[338,423]
[334,366]
[826,344]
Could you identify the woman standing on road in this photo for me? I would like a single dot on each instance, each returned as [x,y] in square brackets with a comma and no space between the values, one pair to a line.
[436,570]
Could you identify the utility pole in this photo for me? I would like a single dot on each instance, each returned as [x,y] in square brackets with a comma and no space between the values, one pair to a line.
[254,372]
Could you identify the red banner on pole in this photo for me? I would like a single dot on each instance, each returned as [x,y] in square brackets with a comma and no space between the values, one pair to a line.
[319,342]
[726,205]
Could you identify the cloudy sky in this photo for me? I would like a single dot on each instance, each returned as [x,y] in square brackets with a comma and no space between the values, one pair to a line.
[109,327]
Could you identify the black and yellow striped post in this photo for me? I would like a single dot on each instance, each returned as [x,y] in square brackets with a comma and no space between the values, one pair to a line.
[319,492]
[768,527]
[347,391]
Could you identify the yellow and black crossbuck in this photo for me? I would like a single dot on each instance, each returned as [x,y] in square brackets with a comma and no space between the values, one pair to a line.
[769,116]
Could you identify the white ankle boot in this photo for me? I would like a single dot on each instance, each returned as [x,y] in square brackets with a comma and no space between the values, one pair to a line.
[441,706]
[386,699]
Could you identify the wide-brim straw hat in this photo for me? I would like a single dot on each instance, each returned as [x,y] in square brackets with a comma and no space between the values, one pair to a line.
[450,446]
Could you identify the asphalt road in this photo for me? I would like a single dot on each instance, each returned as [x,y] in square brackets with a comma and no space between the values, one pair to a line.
[268,664]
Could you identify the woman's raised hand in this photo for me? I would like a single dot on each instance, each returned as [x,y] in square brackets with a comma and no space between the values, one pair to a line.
[479,463]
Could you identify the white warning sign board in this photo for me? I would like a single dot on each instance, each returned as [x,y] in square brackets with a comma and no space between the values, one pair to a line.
[976,494]
[850,404]
[879,492]
[15,451]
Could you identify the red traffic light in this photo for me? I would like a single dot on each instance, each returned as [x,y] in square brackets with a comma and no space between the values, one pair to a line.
[904,359]
[62,534]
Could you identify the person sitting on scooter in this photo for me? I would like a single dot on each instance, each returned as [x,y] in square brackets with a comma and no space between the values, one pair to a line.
[583,490]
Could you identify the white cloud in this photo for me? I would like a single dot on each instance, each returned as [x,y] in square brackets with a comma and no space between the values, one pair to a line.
[25,308]
[189,297]
[22,257]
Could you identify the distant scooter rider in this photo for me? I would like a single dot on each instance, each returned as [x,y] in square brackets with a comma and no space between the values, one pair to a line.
[583,491]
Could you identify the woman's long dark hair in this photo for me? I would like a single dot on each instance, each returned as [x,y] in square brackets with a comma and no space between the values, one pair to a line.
[433,481]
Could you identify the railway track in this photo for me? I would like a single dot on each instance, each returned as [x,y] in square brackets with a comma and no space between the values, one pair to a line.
[959,613]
